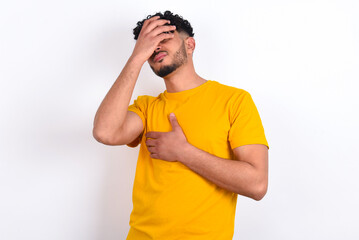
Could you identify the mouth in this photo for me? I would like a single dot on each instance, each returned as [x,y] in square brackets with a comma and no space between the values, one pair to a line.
[159,56]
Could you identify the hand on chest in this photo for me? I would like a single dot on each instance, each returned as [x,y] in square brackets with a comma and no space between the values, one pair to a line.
[202,123]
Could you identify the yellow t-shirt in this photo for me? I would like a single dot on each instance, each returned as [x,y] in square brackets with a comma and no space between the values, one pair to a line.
[170,201]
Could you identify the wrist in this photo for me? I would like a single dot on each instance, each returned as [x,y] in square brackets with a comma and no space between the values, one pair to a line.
[138,60]
[185,153]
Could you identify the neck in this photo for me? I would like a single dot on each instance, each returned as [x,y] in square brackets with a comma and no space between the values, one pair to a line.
[184,78]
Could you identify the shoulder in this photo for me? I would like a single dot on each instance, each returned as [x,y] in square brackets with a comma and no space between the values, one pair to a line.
[144,100]
[228,91]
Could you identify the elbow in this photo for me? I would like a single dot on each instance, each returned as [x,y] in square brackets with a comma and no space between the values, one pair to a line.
[104,137]
[260,191]
[100,137]
[255,191]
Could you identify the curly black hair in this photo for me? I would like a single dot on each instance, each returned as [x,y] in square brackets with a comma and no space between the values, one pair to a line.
[181,24]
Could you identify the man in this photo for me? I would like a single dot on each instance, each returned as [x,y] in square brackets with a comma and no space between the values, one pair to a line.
[202,142]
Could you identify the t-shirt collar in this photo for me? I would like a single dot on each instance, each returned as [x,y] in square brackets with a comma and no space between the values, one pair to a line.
[183,95]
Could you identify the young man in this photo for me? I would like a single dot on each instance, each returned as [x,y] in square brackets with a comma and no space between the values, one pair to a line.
[202,142]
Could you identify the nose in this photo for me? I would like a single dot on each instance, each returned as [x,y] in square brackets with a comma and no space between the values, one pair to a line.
[159,45]
[158,48]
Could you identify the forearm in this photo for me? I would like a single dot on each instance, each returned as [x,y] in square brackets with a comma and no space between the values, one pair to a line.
[233,175]
[112,112]
[113,109]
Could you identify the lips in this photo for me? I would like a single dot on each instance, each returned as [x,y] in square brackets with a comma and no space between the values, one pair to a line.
[159,56]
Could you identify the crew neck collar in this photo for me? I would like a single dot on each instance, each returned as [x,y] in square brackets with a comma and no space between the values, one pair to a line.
[183,95]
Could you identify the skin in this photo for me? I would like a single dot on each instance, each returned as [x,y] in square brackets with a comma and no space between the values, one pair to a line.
[179,58]
[246,175]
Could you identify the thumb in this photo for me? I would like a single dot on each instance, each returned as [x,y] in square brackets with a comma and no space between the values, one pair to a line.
[174,123]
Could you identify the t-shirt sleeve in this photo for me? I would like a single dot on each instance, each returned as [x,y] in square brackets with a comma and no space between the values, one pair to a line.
[139,107]
[246,125]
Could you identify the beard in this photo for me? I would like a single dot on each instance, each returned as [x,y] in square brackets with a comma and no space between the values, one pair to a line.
[180,58]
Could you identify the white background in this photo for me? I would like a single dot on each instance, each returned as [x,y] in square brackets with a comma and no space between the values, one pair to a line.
[298,59]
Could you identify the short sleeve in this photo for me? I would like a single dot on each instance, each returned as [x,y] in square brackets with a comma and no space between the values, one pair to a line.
[246,125]
[139,107]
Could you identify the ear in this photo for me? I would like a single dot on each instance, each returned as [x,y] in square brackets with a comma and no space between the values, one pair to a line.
[191,45]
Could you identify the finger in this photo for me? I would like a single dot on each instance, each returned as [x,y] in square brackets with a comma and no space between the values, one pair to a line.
[153,134]
[155,156]
[151,142]
[154,24]
[163,29]
[174,123]
[148,21]
[164,36]
[152,18]
[152,150]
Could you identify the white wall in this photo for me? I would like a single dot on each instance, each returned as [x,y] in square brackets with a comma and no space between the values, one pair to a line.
[298,59]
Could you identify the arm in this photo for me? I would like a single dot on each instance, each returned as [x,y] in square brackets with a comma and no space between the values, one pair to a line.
[247,175]
[112,116]
[113,124]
